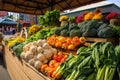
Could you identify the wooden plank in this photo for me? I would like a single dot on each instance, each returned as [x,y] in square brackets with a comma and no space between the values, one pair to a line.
[100,39]
[31,71]
[21,71]
[16,73]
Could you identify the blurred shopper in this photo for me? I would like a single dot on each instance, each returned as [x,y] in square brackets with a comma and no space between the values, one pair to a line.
[1,46]
[11,30]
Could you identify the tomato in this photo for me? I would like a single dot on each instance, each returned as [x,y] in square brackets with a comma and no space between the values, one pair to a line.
[71,47]
[61,39]
[75,39]
[68,40]
[57,64]
[47,70]
[58,44]
[52,63]
[43,67]
[50,72]
[59,56]
[63,59]
[64,45]
[82,39]
[53,74]
[55,57]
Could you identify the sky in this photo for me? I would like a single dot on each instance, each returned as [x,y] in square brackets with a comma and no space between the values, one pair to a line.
[117,2]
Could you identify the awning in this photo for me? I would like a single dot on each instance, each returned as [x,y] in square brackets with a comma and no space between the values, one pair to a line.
[41,6]
[7,21]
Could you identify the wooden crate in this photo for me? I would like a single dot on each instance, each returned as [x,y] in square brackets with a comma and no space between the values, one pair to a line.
[89,41]
[21,70]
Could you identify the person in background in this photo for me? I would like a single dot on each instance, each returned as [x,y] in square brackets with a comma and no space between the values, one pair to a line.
[24,32]
[0,29]
[7,30]
[11,30]
[1,46]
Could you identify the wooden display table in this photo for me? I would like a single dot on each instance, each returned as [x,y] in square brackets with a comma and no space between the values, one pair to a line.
[21,70]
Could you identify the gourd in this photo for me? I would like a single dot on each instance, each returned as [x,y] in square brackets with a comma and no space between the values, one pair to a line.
[46,46]
[33,49]
[41,57]
[54,51]
[48,54]
[22,55]
[45,61]
[32,61]
[38,64]
[34,43]
[39,42]
[39,49]
[28,55]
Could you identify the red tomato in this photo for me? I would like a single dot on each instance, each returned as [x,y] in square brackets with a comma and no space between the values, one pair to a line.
[63,59]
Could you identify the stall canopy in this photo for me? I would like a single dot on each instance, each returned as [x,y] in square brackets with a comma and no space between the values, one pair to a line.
[7,21]
[41,6]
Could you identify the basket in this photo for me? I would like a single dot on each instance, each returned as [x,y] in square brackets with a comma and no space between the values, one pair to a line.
[115,22]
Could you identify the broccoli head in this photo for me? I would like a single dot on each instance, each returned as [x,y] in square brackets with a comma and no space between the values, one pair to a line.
[75,32]
[57,31]
[73,26]
[66,26]
[64,33]
[106,32]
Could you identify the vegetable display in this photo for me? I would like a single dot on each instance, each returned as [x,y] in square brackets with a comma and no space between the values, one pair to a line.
[42,34]
[37,53]
[100,61]
[59,52]
[68,30]
[66,42]
[33,29]
[94,28]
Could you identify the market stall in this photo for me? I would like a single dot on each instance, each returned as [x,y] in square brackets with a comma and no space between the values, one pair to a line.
[66,48]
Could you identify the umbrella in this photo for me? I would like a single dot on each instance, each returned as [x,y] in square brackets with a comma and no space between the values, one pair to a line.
[7,21]
[41,6]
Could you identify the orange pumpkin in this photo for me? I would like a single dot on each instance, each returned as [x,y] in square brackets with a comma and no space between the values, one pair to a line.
[64,45]
[58,44]
[68,40]
[61,39]
[82,39]
[71,47]
[43,67]
[52,63]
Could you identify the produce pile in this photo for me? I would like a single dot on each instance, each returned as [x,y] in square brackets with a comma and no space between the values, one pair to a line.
[100,61]
[42,34]
[66,42]
[37,53]
[33,29]
[60,54]
[12,42]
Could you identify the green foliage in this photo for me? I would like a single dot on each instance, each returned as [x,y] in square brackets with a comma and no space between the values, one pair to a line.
[17,43]
[71,19]
[117,29]
[51,18]
[18,49]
